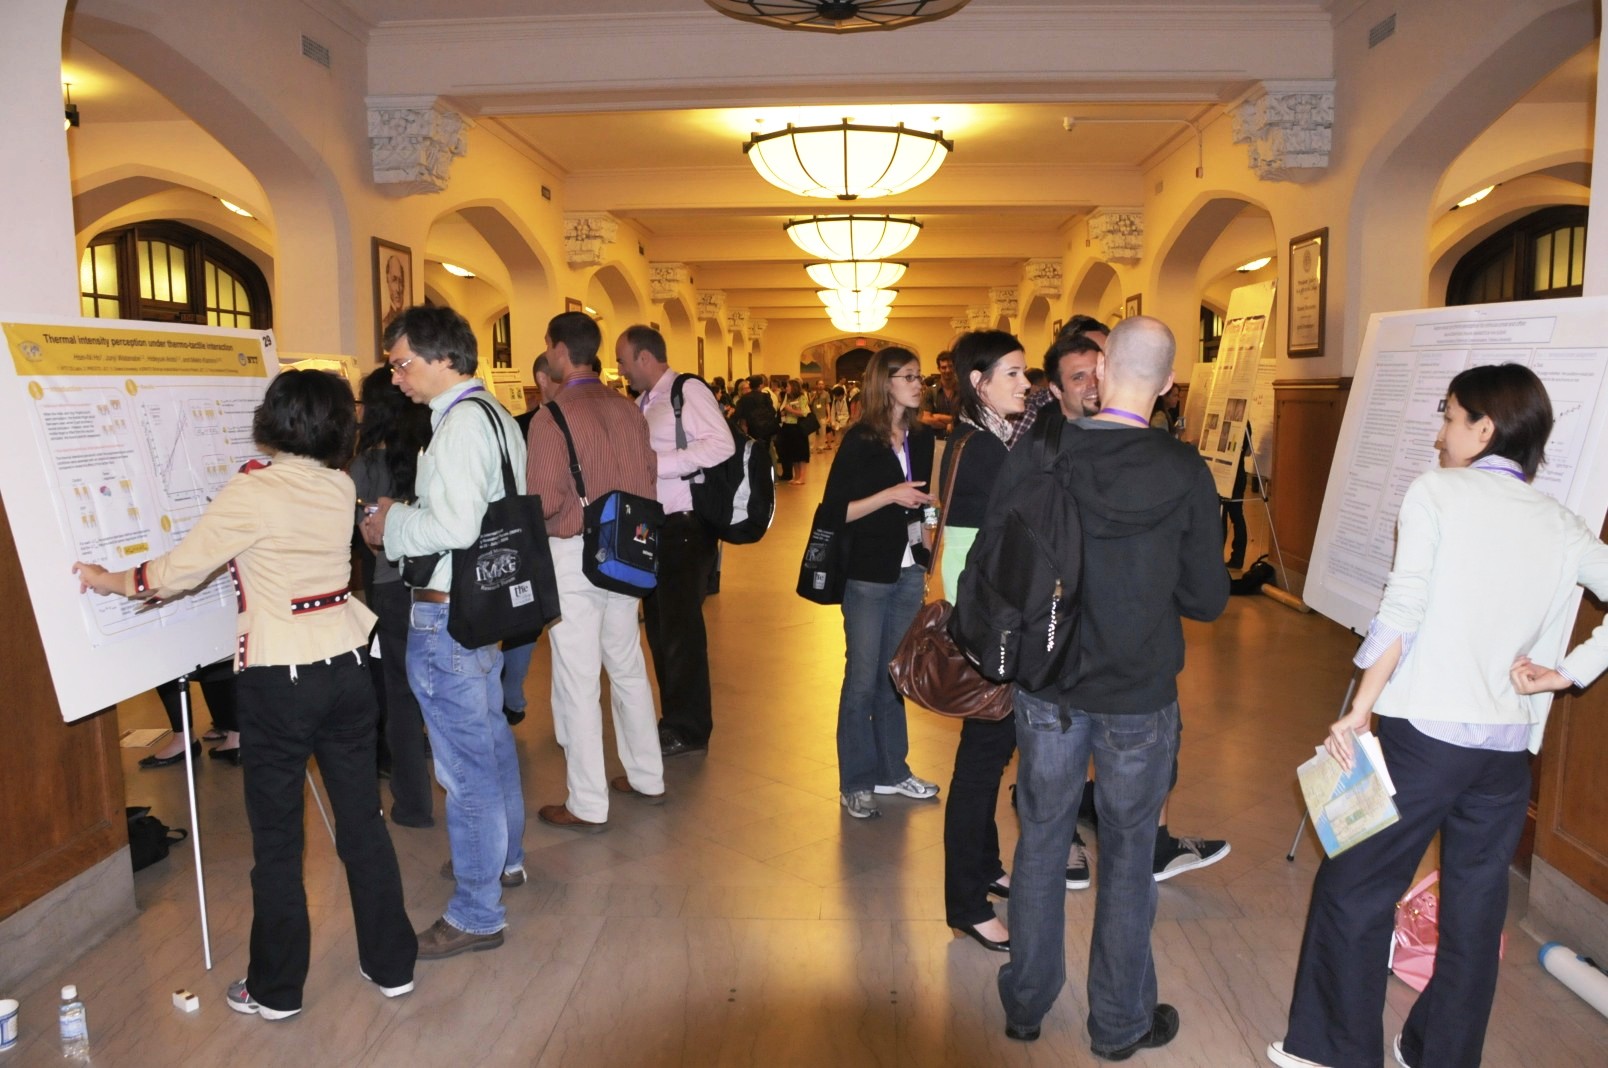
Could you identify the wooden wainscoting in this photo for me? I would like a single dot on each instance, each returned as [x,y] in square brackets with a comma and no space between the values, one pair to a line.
[1571,831]
[61,784]
[1307,414]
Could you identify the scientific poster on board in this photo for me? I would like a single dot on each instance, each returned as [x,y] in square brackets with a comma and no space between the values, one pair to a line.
[1387,438]
[123,435]
[1240,373]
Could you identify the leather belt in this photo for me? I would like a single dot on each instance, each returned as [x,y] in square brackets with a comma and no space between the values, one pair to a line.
[432,596]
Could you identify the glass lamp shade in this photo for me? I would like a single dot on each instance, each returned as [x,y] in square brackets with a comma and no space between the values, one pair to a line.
[856,274]
[847,160]
[852,237]
[863,301]
[854,323]
[837,16]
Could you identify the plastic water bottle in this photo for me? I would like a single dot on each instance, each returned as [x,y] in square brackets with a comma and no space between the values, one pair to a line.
[74,1025]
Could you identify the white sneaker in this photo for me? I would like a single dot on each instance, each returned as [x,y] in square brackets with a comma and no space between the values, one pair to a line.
[388,991]
[915,787]
[1187,854]
[240,1000]
[860,805]
[1276,1054]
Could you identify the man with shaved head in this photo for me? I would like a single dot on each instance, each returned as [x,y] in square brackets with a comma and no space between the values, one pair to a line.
[1151,553]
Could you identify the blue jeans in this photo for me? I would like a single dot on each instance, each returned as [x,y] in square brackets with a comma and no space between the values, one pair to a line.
[871,738]
[460,691]
[516,665]
[1133,758]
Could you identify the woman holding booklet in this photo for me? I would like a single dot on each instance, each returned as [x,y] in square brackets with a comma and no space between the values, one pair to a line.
[1484,572]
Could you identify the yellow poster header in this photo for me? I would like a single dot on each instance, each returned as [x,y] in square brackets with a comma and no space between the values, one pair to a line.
[52,351]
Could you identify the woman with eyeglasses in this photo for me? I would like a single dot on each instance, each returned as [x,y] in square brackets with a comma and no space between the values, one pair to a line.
[1485,569]
[876,493]
[991,378]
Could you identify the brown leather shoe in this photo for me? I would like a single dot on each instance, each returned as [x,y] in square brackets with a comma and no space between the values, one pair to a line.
[561,816]
[622,784]
[441,940]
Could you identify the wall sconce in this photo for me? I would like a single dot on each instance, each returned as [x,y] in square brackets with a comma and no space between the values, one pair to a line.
[72,108]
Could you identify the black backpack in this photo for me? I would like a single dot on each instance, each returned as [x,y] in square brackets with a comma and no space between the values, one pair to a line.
[1017,603]
[149,839]
[736,497]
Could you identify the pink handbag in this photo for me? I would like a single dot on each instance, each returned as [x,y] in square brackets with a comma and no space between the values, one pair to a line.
[1412,944]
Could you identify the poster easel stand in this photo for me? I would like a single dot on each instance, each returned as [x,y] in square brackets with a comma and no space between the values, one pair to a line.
[195,821]
[1345,703]
[1281,592]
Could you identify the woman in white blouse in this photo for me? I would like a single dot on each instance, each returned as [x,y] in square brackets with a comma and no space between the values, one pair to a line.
[1485,570]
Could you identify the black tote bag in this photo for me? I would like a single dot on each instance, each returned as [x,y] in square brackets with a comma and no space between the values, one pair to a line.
[503,586]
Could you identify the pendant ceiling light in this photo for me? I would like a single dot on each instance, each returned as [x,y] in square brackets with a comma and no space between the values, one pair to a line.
[837,16]
[847,160]
[856,274]
[857,323]
[859,301]
[852,237]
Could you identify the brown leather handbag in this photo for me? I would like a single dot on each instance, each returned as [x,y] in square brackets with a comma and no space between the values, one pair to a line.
[928,668]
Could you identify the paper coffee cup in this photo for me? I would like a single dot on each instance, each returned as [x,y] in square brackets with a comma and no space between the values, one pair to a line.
[8,1023]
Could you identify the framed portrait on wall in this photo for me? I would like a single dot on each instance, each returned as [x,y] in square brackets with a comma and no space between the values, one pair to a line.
[1309,291]
[700,357]
[571,304]
[393,287]
[1055,328]
[1133,306]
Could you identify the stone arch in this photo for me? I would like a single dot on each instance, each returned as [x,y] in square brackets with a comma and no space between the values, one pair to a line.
[1035,327]
[1175,288]
[1383,259]
[309,207]
[612,292]
[529,266]
[1088,291]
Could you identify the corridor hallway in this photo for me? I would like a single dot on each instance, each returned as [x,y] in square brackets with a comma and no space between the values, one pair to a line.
[749,921]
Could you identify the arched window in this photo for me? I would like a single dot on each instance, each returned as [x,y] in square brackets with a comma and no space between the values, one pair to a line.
[502,341]
[1542,255]
[166,272]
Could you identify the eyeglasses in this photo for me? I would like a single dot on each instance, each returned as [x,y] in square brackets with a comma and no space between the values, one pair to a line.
[906,378]
[400,368]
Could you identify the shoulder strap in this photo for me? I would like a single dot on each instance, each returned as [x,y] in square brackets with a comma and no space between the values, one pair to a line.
[575,461]
[1046,436]
[955,449]
[676,402]
[509,486]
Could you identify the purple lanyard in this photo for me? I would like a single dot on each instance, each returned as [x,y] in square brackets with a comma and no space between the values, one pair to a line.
[1124,414]
[472,389]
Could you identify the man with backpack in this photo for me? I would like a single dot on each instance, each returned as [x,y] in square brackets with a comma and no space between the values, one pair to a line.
[673,612]
[1146,553]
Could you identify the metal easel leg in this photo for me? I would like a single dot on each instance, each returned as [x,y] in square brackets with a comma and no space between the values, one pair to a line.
[319,801]
[1345,703]
[195,821]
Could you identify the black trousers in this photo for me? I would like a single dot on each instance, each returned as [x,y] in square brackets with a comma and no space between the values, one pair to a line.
[325,709]
[673,613]
[217,686]
[1234,513]
[1476,799]
[971,836]
[412,801]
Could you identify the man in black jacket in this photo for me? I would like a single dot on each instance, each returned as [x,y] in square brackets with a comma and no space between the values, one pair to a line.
[1151,554]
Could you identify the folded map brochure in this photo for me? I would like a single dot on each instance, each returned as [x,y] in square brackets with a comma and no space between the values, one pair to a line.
[1348,806]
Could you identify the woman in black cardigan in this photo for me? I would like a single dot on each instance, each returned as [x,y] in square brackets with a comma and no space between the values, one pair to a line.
[876,488]
[992,372]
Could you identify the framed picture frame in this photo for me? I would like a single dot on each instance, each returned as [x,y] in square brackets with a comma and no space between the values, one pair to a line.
[1055,328]
[700,357]
[1309,294]
[1133,306]
[571,304]
[393,287]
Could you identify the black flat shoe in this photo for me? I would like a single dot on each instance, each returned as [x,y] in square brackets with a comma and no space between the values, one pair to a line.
[999,890]
[154,761]
[982,940]
[1021,1032]
[232,754]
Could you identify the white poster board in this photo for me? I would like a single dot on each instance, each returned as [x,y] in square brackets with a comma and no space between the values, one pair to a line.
[1246,329]
[509,388]
[121,434]
[1387,438]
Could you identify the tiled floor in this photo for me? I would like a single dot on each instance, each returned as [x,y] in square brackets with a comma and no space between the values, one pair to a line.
[748,921]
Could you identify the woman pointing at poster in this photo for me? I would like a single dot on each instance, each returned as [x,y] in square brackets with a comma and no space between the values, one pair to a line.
[284,531]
